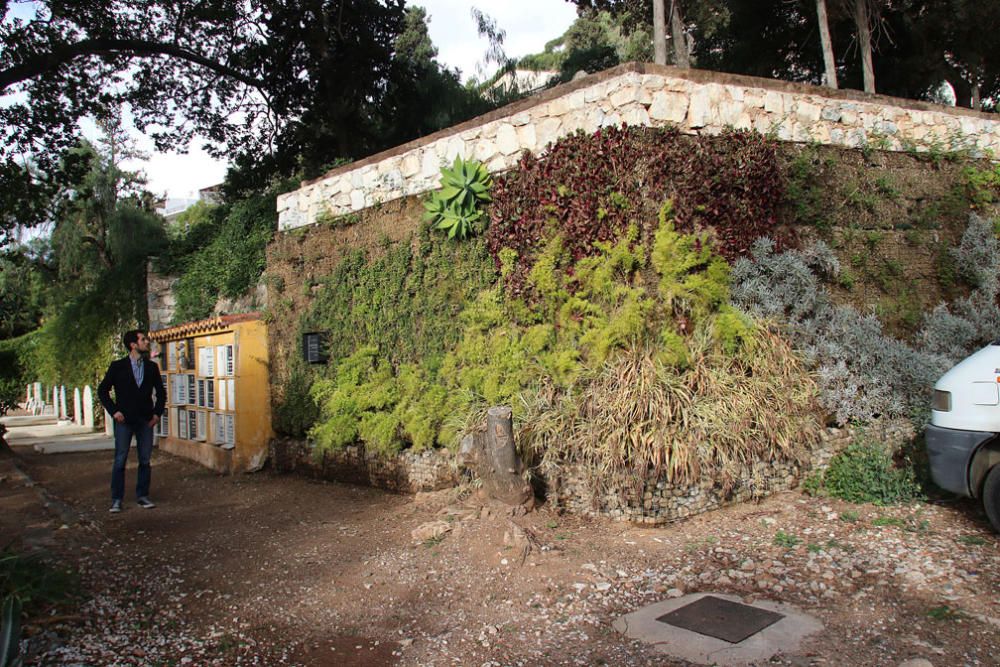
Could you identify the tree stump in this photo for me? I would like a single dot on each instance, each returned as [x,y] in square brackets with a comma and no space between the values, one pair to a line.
[492,456]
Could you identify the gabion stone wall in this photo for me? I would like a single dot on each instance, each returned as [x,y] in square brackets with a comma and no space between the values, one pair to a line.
[652,501]
[407,472]
[655,501]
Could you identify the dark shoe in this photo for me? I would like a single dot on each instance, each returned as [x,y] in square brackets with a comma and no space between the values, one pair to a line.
[116,506]
[145,503]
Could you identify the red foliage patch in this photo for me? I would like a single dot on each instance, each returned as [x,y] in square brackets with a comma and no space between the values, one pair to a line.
[591,187]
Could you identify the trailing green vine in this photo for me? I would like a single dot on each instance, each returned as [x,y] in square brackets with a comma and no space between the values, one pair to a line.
[586,312]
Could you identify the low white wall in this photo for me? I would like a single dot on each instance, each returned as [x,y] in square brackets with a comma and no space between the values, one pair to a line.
[641,94]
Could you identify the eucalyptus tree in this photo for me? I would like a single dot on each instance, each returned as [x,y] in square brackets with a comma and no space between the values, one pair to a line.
[689,21]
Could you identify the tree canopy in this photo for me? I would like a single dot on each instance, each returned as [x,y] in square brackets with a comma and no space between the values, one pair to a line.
[916,44]
[278,86]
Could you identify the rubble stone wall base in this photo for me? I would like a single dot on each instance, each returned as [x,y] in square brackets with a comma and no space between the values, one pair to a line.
[651,501]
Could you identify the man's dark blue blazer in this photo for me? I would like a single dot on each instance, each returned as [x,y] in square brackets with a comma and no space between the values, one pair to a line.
[135,402]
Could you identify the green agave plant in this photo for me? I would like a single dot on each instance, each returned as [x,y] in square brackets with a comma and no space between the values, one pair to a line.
[455,207]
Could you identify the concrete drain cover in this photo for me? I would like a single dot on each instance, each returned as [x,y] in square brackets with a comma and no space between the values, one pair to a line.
[719,629]
[724,619]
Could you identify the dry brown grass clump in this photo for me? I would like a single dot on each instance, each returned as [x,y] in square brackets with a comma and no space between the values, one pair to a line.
[636,416]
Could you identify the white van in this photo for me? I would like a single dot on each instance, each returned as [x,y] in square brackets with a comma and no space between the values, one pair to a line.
[963,438]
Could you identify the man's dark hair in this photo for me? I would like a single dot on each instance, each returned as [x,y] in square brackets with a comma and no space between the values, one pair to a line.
[131,337]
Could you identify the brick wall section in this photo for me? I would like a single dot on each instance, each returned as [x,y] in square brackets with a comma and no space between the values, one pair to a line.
[643,94]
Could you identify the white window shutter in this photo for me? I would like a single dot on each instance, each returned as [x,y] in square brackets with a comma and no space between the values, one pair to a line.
[220,360]
[172,356]
[231,394]
[182,424]
[210,394]
[202,428]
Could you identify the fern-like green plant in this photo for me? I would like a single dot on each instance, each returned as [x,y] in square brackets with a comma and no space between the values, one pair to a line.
[10,633]
[455,208]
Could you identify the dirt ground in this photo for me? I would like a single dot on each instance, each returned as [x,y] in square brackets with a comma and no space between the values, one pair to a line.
[267,569]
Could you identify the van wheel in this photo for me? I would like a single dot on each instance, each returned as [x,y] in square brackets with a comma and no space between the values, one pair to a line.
[991,497]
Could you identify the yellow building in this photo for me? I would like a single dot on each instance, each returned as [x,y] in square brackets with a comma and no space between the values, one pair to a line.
[218,401]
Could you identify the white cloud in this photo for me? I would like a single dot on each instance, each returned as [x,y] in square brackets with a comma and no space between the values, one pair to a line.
[181,175]
[529,24]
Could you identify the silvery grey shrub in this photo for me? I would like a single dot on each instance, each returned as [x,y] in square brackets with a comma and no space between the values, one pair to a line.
[863,372]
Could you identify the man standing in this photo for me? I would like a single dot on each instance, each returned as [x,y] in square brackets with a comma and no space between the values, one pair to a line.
[134,379]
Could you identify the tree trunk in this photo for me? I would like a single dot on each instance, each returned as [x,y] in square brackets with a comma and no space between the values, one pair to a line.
[682,58]
[659,33]
[977,102]
[865,41]
[824,34]
[494,459]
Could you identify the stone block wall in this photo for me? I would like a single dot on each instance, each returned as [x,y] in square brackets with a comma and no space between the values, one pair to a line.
[408,472]
[698,102]
[161,304]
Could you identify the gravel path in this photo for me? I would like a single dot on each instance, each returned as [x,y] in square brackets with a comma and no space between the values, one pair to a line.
[269,570]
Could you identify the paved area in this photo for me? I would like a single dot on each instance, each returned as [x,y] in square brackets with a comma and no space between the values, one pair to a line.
[47,436]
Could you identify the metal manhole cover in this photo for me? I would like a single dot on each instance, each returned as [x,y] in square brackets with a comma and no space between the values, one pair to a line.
[730,621]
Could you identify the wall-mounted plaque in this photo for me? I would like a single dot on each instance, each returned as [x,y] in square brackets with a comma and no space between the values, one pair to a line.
[314,347]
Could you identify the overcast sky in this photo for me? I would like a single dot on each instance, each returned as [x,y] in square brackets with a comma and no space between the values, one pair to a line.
[529,24]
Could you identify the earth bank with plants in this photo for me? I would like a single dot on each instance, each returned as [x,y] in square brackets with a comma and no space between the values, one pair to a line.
[650,304]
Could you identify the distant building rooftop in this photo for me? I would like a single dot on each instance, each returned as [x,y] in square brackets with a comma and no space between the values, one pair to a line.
[172,207]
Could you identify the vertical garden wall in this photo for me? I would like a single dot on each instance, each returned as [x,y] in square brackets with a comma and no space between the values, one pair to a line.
[649,302]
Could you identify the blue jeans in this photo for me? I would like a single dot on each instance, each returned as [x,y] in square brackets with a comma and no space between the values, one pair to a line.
[143,433]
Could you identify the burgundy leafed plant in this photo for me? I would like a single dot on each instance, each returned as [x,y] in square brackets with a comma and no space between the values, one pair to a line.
[590,187]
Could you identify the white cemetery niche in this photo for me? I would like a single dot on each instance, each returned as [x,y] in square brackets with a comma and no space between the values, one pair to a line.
[88,407]
[77,407]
